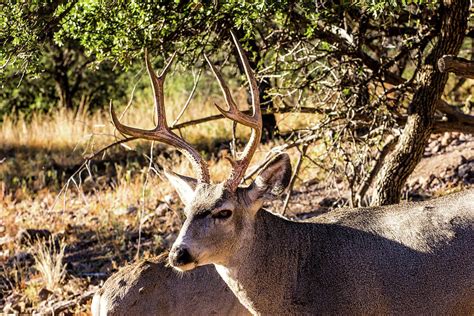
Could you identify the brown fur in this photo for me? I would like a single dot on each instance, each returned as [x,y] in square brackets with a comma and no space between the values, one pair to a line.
[406,259]
[151,288]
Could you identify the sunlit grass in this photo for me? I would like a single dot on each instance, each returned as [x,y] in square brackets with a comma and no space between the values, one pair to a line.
[84,131]
[49,263]
[31,150]
[66,130]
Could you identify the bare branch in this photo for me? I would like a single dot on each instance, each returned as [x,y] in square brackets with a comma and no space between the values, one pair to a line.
[457,65]
[455,120]
[370,177]
[188,101]
[286,109]
[100,151]
[295,175]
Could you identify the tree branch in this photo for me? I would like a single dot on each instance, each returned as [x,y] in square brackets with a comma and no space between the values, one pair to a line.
[457,65]
[295,175]
[347,47]
[286,109]
[455,120]
[370,177]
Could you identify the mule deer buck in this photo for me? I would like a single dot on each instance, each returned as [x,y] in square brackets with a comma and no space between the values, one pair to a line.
[150,288]
[413,258]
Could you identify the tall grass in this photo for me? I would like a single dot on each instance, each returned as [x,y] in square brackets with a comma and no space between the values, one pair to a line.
[86,131]
[65,129]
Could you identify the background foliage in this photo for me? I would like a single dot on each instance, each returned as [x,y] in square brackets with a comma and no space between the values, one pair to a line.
[352,64]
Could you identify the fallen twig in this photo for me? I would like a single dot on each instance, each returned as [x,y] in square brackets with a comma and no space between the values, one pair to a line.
[64,305]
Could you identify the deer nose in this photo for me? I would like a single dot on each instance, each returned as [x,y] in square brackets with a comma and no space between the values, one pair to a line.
[180,256]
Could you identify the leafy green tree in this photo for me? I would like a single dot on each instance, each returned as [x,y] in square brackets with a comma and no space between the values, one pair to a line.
[38,72]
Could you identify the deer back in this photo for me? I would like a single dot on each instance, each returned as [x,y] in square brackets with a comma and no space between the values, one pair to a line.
[151,288]
[413,258]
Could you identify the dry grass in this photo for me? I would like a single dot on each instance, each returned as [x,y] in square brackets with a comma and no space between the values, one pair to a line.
[33,152]
[65,130]
[62,130]
[84,132]
[49,255]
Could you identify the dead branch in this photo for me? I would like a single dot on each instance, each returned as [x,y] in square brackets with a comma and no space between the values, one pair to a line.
[459,66]
[370,177]
[294,176]
[286,109]
[64,305]
[454,120]
[102,150]
[188,101]
[307,140]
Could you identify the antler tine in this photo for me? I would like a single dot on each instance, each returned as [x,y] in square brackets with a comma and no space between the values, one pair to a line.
[254,92]
[157,84]
[161,132]
[253,121]
[233,112]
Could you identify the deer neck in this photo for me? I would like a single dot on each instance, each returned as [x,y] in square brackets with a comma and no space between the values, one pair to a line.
[267,261]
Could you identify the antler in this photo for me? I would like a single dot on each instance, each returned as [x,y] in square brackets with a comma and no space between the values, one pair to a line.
[161,132]
[253,121]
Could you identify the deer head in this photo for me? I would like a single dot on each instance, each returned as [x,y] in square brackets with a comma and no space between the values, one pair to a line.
[219,217]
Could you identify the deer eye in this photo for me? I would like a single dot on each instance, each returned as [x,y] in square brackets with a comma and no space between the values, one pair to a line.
[224,214]
[203,214]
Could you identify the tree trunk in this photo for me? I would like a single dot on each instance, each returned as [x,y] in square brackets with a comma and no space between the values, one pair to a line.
[62,89]
[430,85]
[269,124]
[61,78]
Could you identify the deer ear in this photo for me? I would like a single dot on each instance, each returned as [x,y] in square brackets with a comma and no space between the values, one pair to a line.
[272,180]
[184,186]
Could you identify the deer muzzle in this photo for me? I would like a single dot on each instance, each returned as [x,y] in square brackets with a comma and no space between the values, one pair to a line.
[181,259]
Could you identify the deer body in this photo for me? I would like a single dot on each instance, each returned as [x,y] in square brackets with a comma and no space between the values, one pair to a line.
[402,259]
[150,288]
